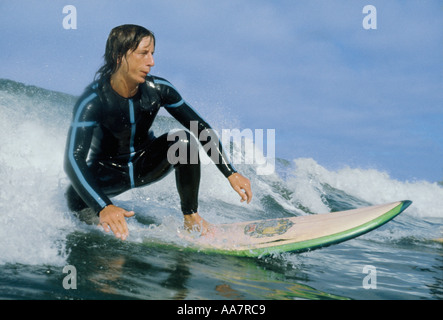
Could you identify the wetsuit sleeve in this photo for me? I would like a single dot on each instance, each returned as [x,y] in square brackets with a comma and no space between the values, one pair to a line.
[85,119]
[191,120]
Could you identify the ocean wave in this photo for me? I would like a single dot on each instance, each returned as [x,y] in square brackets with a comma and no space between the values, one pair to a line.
[35,220]
[357,187]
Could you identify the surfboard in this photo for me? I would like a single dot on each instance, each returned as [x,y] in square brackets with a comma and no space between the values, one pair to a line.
[294,234]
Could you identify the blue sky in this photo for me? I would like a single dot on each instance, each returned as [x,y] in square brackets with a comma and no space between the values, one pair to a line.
[332,90]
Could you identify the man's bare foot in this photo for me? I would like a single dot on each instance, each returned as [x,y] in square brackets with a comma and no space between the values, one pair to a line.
[194,222]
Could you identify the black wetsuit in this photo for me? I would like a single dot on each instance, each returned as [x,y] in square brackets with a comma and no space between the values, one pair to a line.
[111,149]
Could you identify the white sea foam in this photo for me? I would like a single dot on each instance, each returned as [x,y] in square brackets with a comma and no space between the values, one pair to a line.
[368,185]
[33,223]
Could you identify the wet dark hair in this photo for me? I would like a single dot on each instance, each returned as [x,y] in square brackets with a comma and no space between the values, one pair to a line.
[121,39]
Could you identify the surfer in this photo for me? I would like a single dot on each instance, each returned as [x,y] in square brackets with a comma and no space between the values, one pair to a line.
[110,148]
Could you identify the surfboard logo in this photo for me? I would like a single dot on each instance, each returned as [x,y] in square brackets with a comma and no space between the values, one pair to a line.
[268,228]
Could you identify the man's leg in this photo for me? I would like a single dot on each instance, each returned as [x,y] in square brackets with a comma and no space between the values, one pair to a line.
[113,181]
[156,165]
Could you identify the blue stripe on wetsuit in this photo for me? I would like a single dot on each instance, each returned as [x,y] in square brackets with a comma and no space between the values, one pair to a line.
[177,104]
[81,124]
[166,83]
[131,145]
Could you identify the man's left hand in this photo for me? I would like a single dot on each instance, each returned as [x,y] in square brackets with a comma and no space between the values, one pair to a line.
[242,186]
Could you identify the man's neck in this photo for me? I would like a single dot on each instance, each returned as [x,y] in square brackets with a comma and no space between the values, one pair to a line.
[122,87]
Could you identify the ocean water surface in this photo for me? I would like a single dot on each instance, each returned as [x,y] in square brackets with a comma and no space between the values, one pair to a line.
[41,242]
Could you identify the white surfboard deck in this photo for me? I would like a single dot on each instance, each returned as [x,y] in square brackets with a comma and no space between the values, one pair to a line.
[294,234]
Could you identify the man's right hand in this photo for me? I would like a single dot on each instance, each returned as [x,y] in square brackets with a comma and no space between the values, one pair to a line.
[113,218]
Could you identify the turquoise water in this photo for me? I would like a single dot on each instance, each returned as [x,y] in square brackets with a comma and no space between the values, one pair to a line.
[39,237]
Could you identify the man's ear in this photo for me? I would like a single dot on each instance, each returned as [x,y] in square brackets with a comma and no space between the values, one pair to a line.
[119,62]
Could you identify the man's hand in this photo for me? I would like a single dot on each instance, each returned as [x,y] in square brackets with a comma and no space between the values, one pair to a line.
[113,218]
[242,186]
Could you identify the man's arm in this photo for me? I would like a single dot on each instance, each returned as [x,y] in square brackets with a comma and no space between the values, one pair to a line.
[85,119]
[185,114]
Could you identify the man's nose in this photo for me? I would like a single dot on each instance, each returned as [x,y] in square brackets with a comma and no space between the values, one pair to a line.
[150,60]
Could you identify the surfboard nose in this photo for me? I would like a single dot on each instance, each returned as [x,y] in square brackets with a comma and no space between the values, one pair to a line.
[406,204]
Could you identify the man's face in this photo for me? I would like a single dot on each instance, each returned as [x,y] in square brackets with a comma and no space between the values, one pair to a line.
[138,63]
